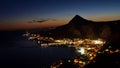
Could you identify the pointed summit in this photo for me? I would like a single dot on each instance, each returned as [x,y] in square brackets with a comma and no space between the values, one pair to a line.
[77,16]
[77,19]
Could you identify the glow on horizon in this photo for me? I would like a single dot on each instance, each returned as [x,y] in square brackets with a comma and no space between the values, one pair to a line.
[104,18]
[16,26]
[19,26]
[16,12]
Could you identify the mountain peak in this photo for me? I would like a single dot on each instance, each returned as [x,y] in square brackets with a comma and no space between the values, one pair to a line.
[77,19]
[77,16]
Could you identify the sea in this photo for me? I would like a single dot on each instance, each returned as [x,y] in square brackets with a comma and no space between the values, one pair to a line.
[17,51]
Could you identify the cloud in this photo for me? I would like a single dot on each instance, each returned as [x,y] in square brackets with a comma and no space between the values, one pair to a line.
[41,20]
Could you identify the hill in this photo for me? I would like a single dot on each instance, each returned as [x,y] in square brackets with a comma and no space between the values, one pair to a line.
[79,27]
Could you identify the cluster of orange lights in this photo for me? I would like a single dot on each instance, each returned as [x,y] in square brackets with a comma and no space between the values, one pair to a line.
[85,47]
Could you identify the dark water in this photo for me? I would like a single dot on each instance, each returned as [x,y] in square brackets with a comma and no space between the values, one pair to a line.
[18,52]
[33,56]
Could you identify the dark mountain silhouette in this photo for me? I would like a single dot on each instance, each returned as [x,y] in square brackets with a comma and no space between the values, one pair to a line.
[79,27]
[78,20]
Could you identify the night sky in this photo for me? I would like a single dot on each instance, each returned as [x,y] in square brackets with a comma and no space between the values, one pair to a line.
[27,14]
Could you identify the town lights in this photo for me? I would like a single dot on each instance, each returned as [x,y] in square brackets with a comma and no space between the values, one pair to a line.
[98,41]
[81,50]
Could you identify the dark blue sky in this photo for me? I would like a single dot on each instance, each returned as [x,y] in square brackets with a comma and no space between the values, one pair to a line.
[13,12]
